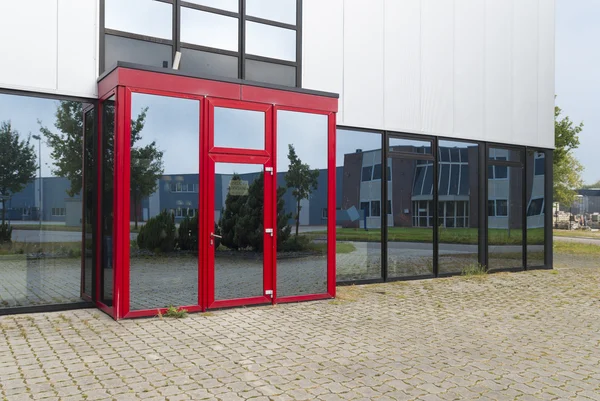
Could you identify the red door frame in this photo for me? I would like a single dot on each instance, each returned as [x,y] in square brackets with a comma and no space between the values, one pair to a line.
[122,81]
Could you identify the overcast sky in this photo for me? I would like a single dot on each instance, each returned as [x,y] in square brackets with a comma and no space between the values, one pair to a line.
[578,75]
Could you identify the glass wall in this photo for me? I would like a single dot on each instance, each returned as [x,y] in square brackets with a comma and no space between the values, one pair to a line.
[40,201]
[536,203]
[505,209]
[410,195]
[89,199]
[458,206]
[302,203]
[107,200]
[164,201]
[142,31]
[358,205]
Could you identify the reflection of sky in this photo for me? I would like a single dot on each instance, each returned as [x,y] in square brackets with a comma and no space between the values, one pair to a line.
[308,134]
[235,128]
[349,141]
[174,124]
[150,18]
[24,112]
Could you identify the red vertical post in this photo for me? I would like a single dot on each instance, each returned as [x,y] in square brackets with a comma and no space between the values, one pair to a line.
[331,206]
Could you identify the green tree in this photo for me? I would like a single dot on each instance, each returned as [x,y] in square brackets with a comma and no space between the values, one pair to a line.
[67,144]
[301,179]
[17,163]
[567,169]
[229,215]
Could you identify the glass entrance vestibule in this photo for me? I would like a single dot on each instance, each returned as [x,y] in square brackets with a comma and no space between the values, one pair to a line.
[198,193]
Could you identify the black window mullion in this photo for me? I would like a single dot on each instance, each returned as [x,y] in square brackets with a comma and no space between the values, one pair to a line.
[299,45]
[176,27]
[101,56]
[384,195]
[524,206]
[242,40]
[435,225]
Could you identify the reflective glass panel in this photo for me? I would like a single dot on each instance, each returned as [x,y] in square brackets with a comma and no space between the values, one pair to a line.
[143,17]
[302,196]
[199,62]
[359,233]
[40,251]
[270,41]
[227,5]
[237,128]
[536,186]
[458,212]
[136,51]
[164,201]
[207,29]
[512,155]
[505,220]
[239,216]
[410,226]
[276,10]
[108,162]
[401,145]
[270,73]
[89,199]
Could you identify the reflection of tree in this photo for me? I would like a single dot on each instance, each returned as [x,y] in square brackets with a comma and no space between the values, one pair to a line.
[66,144]
[17,163]
[302,179]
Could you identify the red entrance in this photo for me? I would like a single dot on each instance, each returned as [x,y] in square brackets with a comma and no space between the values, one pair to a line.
[235,149]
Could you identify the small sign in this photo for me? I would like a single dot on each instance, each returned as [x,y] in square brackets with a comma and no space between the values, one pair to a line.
[238,188]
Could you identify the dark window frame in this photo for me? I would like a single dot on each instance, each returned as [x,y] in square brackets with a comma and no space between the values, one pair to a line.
[176,43]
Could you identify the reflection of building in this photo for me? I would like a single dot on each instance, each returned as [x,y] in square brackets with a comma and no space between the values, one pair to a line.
[410,190]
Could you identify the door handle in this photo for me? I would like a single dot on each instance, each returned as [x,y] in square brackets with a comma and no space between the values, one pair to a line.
[213,235]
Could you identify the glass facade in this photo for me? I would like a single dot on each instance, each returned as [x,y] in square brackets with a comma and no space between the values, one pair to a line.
[107,200]
[214,37]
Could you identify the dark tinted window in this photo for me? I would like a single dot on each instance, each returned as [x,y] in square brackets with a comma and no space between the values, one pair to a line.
[270,73]
[136,51]
[377,172]
[366,173]
[199,62]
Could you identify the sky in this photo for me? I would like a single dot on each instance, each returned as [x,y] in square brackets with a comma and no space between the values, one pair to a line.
[578,75]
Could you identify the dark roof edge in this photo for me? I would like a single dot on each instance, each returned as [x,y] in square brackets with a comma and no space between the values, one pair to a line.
[169,71]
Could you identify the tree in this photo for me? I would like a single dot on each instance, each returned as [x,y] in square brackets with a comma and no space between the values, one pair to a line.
[302,179]
[567,169]
[17,163]
[229,216]
[67,143]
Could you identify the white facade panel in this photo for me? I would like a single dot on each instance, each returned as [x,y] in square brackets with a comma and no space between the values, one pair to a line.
[546,71]
[77,33]
[525,71]
[28,45]
[49,46]
[363,63]
[323,47]
[437,68]
[402,68]
[498,71]
[469,67]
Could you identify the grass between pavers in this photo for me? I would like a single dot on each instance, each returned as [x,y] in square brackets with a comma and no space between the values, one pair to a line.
[466,236]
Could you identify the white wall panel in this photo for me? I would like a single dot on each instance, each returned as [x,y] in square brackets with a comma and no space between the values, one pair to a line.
[498,70]
[402,68]
[28,45]
[363,63]
[323,47]
[469,66]
[77,31]
[546,72]
[437,73]
[525,71]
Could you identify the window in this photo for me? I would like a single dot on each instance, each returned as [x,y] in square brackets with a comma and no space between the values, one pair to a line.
[58,211]
[366,173]
[364,206]
[377,172]
[536,207]
[210,41]
[497,208]
[540,163]
[26,211]
[389,173]
[375,208]
[389,207]
[324,213]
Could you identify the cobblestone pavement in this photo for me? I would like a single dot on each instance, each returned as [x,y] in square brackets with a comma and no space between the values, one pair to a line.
[525,336]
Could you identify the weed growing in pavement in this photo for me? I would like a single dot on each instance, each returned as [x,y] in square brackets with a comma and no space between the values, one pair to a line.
[474,269]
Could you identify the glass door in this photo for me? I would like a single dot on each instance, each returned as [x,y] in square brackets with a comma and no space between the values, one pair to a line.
[239,220]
